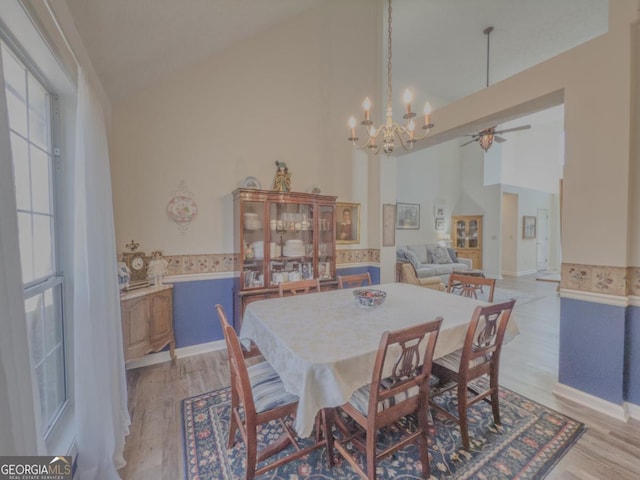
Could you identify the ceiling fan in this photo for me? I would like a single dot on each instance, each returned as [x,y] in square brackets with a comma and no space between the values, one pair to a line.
[486,137]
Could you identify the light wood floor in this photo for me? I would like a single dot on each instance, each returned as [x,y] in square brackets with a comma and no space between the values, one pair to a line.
[608,450]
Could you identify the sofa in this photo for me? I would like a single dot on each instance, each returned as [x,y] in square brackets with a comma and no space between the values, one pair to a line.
[407,274]
[433,260]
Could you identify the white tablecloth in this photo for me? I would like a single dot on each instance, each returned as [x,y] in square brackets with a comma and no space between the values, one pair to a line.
[323,345]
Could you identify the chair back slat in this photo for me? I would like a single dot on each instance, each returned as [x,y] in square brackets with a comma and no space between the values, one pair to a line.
[485,333]
[299,287]
[468,286]
[355,280]
[403,362]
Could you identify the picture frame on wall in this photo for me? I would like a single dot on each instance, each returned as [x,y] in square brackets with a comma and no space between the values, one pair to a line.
[438,211]
[439,223]
[408,216]
[347,223]
[388,225]
[528,227]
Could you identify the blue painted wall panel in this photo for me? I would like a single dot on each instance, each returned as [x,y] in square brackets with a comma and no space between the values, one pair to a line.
[374,271]
[194,316]
[375,275]
[632,356]
[592,338]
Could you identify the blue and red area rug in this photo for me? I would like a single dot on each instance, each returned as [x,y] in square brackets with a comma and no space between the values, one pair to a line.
[531,440]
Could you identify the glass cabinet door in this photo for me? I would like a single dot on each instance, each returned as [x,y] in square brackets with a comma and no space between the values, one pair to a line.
[291,242]
[473,234]
[253,253]
[461,234]
[326,242]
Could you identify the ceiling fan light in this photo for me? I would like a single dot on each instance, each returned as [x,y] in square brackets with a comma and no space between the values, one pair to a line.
[486,141]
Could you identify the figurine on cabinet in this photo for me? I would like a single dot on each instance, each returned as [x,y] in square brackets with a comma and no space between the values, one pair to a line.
[282,181]
[124,274]
[157,267]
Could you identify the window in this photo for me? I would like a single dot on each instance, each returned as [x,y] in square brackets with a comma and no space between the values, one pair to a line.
[30,122]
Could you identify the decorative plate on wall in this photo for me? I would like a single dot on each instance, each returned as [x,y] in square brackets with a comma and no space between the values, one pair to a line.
[252,182]
[182,209]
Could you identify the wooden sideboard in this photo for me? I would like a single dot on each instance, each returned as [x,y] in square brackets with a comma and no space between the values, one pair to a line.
[147,321]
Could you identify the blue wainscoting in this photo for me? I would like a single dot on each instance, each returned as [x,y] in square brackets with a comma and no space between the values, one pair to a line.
[632,356]
[373,271]
[194,317]
[592,353]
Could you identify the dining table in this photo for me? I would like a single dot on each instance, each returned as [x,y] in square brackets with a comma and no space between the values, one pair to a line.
[323,345]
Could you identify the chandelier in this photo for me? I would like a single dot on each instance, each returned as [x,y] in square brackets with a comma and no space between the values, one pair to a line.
[385,135]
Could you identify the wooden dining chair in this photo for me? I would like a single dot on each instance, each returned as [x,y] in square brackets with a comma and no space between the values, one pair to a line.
[407,354]
[468,286]
[355,280]
[249,348]
[299,287]
[480,355]
[258,397]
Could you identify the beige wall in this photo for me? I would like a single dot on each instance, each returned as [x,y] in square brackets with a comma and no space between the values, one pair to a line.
[634,178]
[428,177]
[284,95]
[595,82]
[478,199]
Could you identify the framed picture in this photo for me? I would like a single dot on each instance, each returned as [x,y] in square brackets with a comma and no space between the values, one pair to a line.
[347,223]
[408,216]
[439,223]
[388,225]
[324,270]
[438,211]
[528,227]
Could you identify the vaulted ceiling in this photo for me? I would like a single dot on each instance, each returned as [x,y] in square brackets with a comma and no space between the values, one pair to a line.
[439,47]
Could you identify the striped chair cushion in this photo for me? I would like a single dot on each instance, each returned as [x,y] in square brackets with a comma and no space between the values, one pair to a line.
[360,398]
[452,361]
[267,387]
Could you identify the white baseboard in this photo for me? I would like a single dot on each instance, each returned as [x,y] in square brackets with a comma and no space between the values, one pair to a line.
[509,274]
[519,273]
[619,412]
[162,357]
[634,410]
[495,276]
[522,273]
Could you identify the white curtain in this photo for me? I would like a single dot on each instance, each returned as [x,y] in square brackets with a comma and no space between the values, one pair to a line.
[102,419]
[19,423]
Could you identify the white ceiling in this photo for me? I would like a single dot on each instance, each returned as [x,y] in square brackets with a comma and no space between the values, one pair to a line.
[439,47]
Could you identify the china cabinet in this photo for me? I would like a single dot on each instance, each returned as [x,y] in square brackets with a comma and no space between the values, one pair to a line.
[282,237]
[147,321]
[467,238]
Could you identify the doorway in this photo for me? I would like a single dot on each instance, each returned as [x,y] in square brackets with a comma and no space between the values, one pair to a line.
[509,220]
[542,240]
